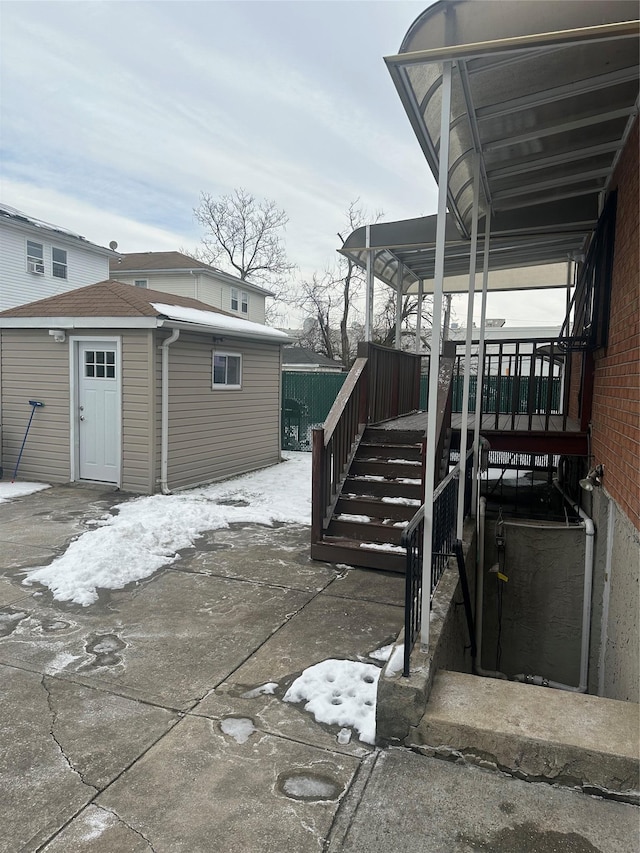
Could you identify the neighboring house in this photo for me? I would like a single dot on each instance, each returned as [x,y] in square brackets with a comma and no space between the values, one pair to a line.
[142,390]
[39,260]
[302,359]
[173,272]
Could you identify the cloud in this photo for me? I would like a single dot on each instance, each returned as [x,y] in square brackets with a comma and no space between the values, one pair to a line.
[124,112]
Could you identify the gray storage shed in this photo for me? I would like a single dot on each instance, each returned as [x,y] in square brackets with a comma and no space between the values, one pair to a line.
[142,390]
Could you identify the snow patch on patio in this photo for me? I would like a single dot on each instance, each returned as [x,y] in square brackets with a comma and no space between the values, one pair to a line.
[146,533]
[239,728]
[9,491]
[340,692]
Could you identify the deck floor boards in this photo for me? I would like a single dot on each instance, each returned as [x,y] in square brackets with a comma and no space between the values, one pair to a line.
[506,423]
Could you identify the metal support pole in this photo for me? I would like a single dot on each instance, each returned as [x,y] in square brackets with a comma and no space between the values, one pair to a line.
[399,296]
[467,352]
[434,361]
[419,315]
[483,319]
[369,294]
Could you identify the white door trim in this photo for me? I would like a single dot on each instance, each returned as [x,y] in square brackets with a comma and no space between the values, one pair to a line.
[74,366]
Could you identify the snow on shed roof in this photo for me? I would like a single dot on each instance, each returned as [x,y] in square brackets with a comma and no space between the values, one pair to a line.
[115,300]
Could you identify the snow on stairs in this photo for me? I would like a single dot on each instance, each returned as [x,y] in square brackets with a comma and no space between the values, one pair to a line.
[380,496]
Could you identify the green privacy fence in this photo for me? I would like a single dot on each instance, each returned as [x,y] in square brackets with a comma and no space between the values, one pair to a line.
[308,397]
[306,400]
[507,394]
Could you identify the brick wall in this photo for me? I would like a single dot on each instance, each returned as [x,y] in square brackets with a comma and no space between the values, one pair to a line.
[616,394]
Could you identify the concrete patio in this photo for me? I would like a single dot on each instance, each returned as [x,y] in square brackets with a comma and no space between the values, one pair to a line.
[113,730]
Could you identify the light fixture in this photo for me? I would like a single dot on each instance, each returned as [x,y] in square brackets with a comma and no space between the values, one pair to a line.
[593,478]
[58,335]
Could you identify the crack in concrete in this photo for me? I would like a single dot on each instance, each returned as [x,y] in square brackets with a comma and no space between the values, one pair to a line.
[349,803]
[128,825]
[54,718]
[562,777]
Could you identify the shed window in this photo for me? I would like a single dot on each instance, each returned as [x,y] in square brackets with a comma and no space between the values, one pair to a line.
[227,370]
[35,257]
[59,262]
[100,364]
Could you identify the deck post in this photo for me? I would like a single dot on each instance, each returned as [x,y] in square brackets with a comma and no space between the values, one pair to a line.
[368,307]
[467,350]
[434,361]
[483,317]
[318,494]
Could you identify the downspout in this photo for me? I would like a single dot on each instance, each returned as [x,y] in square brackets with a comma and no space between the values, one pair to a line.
[477,666]
[589,531]
[164,421]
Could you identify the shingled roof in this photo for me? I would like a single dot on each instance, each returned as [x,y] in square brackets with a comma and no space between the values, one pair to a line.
[106,299]
[157,261]
[148,262]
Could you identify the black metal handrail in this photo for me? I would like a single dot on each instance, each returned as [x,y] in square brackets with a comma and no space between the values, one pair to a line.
[445,511]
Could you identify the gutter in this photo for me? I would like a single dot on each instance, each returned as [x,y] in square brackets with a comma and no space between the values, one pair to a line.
[164,421]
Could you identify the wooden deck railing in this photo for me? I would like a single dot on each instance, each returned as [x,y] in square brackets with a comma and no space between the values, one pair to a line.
[382,384]
[394,381]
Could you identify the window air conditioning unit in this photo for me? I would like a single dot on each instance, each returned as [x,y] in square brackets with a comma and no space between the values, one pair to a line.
[37,267]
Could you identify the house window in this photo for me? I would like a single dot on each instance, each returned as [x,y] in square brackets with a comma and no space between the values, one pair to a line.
[59,262]
[227,370]
[140,282]
[100,364]
[35,257]
[239,300]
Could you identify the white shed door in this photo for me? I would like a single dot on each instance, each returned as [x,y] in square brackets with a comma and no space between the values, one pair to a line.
[99,411]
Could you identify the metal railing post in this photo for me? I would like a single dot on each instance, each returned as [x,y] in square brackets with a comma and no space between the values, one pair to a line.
[431,449]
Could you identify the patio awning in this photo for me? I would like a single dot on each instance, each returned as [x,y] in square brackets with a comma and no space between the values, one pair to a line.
[545,92]
[517,262]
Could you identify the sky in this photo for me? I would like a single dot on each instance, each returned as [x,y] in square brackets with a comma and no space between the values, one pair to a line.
[116,116]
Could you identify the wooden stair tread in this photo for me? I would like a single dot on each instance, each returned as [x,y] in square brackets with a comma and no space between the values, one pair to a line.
[334,549]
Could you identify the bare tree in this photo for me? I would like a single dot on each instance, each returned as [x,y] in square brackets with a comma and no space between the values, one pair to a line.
[384,323]
[330,301]
[244,235]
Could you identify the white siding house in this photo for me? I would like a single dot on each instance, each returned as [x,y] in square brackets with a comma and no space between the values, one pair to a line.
[38,260]
[173,272]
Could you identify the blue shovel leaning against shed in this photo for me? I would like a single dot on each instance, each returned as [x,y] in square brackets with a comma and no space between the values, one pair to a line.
[35,404]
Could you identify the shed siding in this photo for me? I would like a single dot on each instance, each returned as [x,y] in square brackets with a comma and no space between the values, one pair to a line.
[18,286]
[137,412]
[218,433]
[34,367]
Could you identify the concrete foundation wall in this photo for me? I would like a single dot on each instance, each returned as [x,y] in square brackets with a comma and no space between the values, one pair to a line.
[615,670]
[402,701]
[541,601]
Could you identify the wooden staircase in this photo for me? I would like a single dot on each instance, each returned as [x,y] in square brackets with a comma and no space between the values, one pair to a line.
[368,472]
[380,495]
